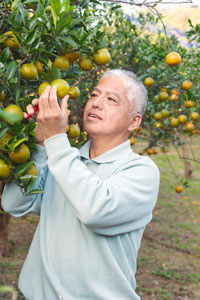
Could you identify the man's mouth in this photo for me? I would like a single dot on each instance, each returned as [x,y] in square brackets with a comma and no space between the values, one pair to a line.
[94,116]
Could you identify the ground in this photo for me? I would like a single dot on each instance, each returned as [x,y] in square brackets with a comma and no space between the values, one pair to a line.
[169,257]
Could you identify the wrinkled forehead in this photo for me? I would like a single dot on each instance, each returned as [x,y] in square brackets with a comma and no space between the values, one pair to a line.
[114,84]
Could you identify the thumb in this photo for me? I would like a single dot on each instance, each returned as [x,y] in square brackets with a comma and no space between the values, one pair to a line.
[64,104]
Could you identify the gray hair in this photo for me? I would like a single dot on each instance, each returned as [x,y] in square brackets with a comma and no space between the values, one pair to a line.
[137,93]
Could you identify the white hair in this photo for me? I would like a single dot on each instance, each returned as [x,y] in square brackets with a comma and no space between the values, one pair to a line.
[137,93]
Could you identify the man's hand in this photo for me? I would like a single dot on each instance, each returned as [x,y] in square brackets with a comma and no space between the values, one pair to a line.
[52,119]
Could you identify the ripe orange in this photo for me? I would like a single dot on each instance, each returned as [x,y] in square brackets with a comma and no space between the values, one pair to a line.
[73,131]
[163,96]
[39,66]
[28,71]
[174,122]
[163,89]
[175,91]
[189,103]
[85,63]
[10,40]
[132,140]
[62,87]
[173,59]
[189,126]
[174,97]
[102,57]
[2,96]
[182,119]
[42,87]
[32,170]
[165,113]
[5,170]
[62,62]
[149,151]
[74,92]
[186,85]
[155,151]
[194,116]
[14,112]
[158,116]
[72,56]
[148,81]
[178,189]
[22,154]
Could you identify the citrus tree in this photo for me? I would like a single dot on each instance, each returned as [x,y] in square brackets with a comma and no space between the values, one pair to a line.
[43,43]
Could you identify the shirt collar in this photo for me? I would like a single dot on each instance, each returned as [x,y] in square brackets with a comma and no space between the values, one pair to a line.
[119,152]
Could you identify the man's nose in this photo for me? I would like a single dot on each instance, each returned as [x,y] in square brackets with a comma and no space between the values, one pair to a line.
[98,102]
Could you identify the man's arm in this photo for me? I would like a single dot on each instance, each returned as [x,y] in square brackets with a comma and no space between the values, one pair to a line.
[122,203]
[13,201]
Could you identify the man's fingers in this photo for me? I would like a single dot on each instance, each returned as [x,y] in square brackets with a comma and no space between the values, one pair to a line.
[64,104]
[35,102]
[30,109]
[44,100]
[25,115]
[53,101]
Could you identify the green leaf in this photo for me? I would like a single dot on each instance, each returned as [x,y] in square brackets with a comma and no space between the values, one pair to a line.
[2,68]
[3,132]
[14,5]
[31,37]
[5,55]
[56,6]
[34,191]
[55,73]
[29,178]
[11,69]
[23,168]
[69,41]
[19,142]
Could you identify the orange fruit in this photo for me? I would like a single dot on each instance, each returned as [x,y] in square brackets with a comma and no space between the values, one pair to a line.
[178,189]
[156,99]
[85,63]
[73,131]
[189,126]
[2,96]
[74,92]
[62,63]
[148,81]
[165,150]
[174,122]
[72,56]
[13,112]
[175,91]
[186,85]
[22,154]
[194,116]
[182,119]
[165,113]
[189,103]
[132,140]
[42,87]
[62,87]
[158,116]
[28,71]
[10,40]
[38,66]
[149,151]
[102,57]
[173,59]
[163,96]
[155,151]
[32,170]
[5,170]
[163,89]
[174,97]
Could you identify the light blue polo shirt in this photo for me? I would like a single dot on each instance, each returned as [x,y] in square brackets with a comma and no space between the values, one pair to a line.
[92,217]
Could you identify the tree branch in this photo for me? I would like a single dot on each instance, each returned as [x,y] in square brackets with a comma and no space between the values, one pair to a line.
[145,3]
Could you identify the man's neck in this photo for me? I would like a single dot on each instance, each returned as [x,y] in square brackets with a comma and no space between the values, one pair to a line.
[99,146]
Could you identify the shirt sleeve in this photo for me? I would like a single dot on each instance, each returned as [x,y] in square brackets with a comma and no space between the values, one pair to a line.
[13,201]
[119,204]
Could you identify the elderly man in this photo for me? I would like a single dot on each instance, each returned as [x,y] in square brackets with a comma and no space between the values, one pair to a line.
[96,201]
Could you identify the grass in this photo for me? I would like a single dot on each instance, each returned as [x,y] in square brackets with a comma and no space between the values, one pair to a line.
[169,257]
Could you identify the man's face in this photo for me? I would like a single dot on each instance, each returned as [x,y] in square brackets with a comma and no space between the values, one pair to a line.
[107,111]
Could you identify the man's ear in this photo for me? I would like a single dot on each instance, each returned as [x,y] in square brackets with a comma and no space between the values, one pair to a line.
[135,122]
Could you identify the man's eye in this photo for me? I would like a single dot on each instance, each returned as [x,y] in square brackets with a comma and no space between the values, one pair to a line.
[93,95]
[111,99]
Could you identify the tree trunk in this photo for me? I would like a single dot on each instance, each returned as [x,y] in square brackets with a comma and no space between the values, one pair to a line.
[187,164]
[4,220]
